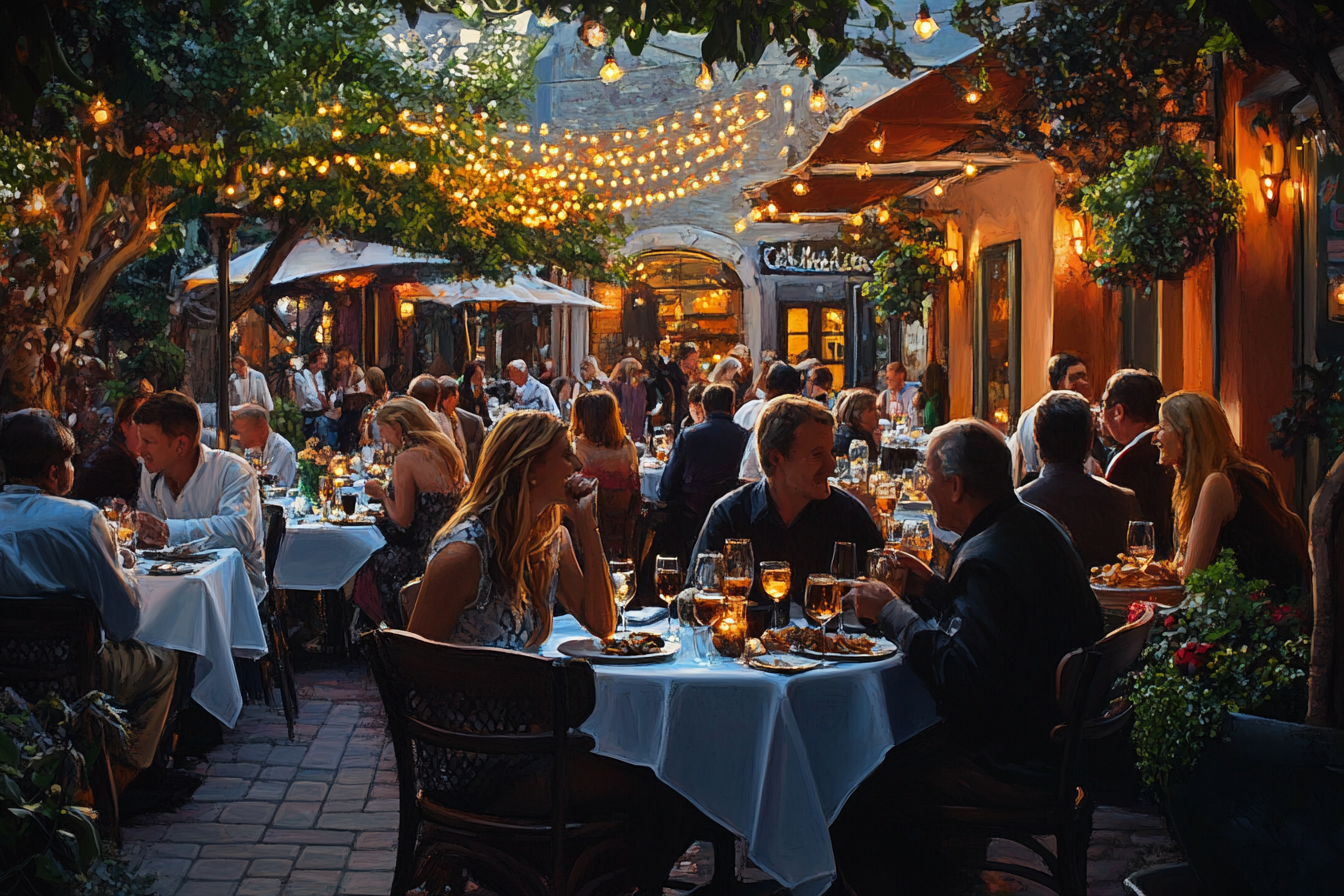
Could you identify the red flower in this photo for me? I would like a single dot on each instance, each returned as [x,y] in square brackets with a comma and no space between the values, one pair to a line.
[1170,621]
[1190,658]
[1138,608]
[1280,613]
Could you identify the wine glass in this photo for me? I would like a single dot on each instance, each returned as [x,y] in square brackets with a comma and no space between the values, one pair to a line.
[917,539]
[822,602]
[843,562]
[325,491]
[1141,542]
[738,567]
[707,599]
[776,579]
[622,586]
[667,575]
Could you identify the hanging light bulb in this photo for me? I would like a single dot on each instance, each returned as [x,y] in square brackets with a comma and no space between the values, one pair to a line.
[756,214]
[817,101]
[593,33]
[771,208]
[970,169]
[786,90]
[876,145]
[925,26]
[99,111]
[277,200]
[938,188]
[800,188]
[610,71]
[857,220]
[883,216]
[705,80]
[802,60]
[741,224]
[864,171]
[972,96]
[795,218]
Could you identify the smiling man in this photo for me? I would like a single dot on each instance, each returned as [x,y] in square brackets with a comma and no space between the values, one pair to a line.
[793,513]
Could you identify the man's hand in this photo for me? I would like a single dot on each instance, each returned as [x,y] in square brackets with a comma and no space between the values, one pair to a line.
[152,531]
[868,598]
[920,572]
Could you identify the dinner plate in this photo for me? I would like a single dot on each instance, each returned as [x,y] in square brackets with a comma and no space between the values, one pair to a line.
[172,569]
[160,556]
[783,664]
[1120,598]
[351,522]
[588,649]
[881,651]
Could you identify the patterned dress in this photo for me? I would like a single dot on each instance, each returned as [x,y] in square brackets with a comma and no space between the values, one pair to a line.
[404,556]
[495,618]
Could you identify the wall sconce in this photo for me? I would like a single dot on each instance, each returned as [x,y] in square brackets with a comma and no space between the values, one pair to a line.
[406,310]
[1271,182]
[951,259]
[1079,241]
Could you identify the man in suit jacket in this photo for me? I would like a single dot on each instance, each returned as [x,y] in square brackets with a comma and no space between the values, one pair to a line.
[1129,416]
[468,429]
[702,467]
[1095,512]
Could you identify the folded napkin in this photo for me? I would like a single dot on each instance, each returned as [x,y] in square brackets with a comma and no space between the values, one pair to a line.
[646,615]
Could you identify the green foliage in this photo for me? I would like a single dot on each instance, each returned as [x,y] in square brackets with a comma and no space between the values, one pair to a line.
[287,420]
[1157,213]
[49,845]
[135,320]
[1317,410]
[911,264]
[1226,648]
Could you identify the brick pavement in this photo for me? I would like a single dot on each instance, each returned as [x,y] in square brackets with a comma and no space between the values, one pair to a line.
[318,817]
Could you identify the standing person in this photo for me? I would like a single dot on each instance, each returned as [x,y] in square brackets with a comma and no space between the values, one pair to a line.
[1129,415]
[471,391]
[1095,513]
[679,375]
[898,399]
[626,383]
[248,386]
[368,428]
[742,386]
[1064,371]
[781,380]
[190,492]
[702,466]
[986,639]
[468,429]
[531,394]
[591,377]
[725,372]
[253,426]
[601,443]
[113,470]
[311,390]
[426,489]
[856,416]
[1225,500]
[931,399]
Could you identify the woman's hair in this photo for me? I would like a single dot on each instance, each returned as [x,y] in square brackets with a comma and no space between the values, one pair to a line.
[558,384]
[597,417]
[762,371]
[469,371]
[625,370]
[377,381]
[500,498]
[696,394]
[418,429]
[1208,447]
[853,404]
[934,382]
[591,362]
[725,371]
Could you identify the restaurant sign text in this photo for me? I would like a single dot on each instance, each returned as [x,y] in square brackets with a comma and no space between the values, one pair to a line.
[812,257]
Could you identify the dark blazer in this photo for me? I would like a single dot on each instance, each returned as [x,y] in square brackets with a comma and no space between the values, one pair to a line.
[477,405]
[1136,468]
[473,431]
[111,471]
[681,384]
[702,468]
[1095,512]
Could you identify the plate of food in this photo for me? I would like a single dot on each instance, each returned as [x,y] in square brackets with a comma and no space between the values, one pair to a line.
[192,557]
[841,648]
[783,663]
[1119,584]
[627,649]
[354,521]
[172,569]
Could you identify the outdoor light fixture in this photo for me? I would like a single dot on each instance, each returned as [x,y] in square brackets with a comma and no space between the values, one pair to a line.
[972,96]
[610,71]
[593,33]
[925,26]
[705,80]
[1079,243]
[970,169]
[234,190]
[864,171]
[950,259]
[938,188]
[1270,182]
[876,145]
[407,310]
[817,101]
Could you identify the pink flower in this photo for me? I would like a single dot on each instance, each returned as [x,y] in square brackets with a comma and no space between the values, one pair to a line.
[1280,613]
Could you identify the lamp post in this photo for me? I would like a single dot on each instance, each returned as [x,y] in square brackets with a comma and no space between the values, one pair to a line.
[222,225]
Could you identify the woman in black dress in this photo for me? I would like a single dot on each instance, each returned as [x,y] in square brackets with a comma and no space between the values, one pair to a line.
[471,396]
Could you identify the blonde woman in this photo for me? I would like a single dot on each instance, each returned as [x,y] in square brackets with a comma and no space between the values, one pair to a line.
[856,418]
[368,428]
[1223,499]
[426,488]
[726,372]
[600,442]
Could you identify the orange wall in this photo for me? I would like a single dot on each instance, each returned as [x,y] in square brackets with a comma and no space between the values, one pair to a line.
[1087,317]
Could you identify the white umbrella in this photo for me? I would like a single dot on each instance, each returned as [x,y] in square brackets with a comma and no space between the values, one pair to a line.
[522,289]
[313,258]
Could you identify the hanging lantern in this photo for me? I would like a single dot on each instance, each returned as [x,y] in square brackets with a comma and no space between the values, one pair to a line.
[593,33]
[925,26]
[406,310]
[610,71]
[817,101]
[705,80]
[972,96]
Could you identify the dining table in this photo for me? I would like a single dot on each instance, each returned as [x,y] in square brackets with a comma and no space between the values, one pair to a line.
[771,757]
[210,611]
[322,556]
[650,475]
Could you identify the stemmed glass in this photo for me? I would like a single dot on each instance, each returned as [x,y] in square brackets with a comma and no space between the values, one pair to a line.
[843,562]
[822,602]
[623,587]
[739,566]
[667,574]
[776,579]
[1141,542]
[708,600]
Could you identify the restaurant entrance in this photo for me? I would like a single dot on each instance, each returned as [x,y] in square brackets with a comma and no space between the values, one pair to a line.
[814,330]
[680,296]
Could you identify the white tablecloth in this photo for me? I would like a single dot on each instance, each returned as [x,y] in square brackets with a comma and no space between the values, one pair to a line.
[649,477]
[211,613]
[770,757]
[320,556]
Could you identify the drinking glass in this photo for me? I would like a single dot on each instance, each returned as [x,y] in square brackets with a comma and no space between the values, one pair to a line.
[858,461]
[707,603]
[126,530]
[623,587]
[738,567]
[886,494]
[917,539]
[325,491]
[776,579]
[667,575]
[1141,542]
[729,631]
[882,567]
[348,501]
[921,481]
[844,565]
[822,602]
[891,530]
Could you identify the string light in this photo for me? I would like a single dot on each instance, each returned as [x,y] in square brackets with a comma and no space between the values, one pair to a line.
[800,188]
[705,80]
[972,96]
[741,224]
[876,145]
[786,90]
[771,208]
[610,71]
[970,169]
[152,226]
[99,111]
[277,200]
[817,101]
[925,26]
[864,171]
[938,188]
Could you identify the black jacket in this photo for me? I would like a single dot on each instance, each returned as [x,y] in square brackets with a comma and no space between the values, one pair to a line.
[1136,468]
[681,408]
[702,468]
[1016,600]
[111,471]
[1094,512]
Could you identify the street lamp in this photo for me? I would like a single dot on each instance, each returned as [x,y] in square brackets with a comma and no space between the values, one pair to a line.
[222,225]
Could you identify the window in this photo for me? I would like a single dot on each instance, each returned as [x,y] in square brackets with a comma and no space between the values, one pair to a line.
[1139,319]
[676,297]
[817,331]
[998,336]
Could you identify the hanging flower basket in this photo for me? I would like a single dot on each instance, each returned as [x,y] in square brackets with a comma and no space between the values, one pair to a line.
[911,267]
[1157,213]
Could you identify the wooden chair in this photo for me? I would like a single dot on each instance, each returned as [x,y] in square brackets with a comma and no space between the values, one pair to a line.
[277,667]
[50,644]
[1083,682]
[618,512]
[462,717]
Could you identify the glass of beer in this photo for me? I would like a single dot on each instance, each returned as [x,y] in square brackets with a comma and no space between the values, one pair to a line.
[667,575]
[886,494]
[776,579]
[882,567]
[622,587]
[917,539]
[1141,542]
[822,602]
[738,567]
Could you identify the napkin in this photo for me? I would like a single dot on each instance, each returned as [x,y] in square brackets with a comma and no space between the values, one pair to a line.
[646,615]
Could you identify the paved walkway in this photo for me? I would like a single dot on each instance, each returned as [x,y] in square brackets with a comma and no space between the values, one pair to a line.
[318,816]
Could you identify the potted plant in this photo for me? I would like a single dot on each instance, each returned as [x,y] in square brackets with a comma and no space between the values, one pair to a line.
[912,264]
[313,461]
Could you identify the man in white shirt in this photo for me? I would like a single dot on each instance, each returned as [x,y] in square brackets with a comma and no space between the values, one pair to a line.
[311,392]
[468,429]
[253,426]
[532,395]
[53,546]
[248,386]
[781,380]
[1065,371]
[899,396]
[190,492]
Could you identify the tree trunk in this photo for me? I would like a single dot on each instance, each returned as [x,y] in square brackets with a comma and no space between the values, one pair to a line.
[253,290]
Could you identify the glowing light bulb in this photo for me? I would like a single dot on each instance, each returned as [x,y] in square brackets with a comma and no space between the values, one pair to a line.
[883,216]
[761,96]
[876,145]
[336,134]
[610,71]
[153,226]
[817,101]
[864,171]
[800,188]
[795,218]
[970,169]
[277,201]
[925,26]
[756,214]
[938,188]
[705,80]
[772,208]
[786,90]
[857,220]
[972,96]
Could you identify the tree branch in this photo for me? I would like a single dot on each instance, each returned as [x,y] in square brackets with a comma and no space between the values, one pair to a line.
[251,292]
[100,274]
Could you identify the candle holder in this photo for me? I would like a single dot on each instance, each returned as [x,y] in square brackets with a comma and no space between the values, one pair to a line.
[730,629]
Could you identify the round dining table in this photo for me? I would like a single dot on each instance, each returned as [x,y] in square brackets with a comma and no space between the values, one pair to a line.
[318,556]
[650,475]
[771,757]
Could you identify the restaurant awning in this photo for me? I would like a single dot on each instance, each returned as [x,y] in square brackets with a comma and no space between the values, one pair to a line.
[522,289]
[315,258]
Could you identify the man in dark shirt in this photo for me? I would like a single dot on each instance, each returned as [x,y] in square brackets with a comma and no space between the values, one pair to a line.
[986,640]
[703,465]
[679,377]
[793,513]
[113,471]
[1095,513]
[1129,416]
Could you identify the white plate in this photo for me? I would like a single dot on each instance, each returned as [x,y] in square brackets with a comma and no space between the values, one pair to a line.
[881,651]
[782,663]
[588,649]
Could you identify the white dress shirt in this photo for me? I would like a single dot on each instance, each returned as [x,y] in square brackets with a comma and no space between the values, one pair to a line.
[219,503]
[747,414]
[51,545]
[902,402]
[533,396]
[278,460]
[309,387]
[1146,434]
[253,390]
